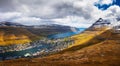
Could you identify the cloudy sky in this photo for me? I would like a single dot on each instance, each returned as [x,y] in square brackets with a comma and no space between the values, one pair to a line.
[77,13]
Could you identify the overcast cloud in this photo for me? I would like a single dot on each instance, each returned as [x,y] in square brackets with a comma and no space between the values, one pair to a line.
[78,13]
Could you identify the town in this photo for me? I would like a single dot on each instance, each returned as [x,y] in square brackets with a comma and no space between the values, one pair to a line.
[39,48]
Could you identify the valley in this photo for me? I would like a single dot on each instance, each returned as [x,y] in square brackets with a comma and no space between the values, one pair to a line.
[90,47]
[59,32]
[16,46]
[102,50]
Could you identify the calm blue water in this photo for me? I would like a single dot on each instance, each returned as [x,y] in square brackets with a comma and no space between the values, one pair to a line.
[67,34]
[35,49]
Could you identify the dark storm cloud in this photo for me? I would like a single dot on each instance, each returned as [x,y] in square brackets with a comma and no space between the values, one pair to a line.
[69,12]
[68,9]
[8,5]
[43,8]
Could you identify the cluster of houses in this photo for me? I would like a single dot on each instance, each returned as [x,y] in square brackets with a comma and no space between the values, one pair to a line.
[36,48]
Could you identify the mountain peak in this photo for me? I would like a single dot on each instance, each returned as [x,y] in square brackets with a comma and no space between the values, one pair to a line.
[109,23]
[101,23]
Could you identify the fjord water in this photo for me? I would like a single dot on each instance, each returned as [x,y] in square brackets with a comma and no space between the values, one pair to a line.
[67,34]
[17,54]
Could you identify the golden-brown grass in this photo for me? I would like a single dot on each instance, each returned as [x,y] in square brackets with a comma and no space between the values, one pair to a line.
[15,35]
[101,50]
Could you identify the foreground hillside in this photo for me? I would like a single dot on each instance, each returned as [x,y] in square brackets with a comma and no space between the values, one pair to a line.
[99,48]
[15,35]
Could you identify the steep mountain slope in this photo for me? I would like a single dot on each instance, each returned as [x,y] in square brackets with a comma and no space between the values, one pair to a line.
[15,35]
[104,53]
[40,30]
[93,47]
[45,30]
[101,50]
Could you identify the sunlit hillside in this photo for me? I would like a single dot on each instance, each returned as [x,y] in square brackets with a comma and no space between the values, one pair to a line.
[15,35]
[59,32]
[88,37]
[85,37]
[98,48]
